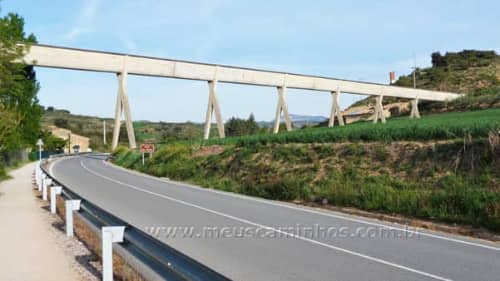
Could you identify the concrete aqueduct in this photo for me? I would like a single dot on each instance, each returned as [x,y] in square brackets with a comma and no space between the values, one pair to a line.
[123,64]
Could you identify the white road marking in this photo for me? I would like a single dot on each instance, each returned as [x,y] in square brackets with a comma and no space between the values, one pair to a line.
[307,210]
[267,227]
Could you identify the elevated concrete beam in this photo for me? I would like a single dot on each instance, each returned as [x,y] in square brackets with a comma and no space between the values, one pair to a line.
[59,57]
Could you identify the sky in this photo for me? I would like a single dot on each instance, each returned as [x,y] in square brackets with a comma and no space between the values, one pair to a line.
[358,40]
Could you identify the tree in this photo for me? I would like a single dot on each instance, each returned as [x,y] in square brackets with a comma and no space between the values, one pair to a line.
[239,127]
[19,108]
[61,123]
[51,142]
[438,60]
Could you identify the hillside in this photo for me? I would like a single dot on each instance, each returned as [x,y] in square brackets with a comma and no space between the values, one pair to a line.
[473,73]
[146,131]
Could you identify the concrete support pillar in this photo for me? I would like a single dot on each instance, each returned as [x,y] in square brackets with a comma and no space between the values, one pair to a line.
[379,110]
[414,109]
[109,235]
[335,112]
[213,107]
[282,107]
[123,106]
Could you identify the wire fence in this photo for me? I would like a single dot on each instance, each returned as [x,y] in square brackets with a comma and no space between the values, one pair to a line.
[12,158]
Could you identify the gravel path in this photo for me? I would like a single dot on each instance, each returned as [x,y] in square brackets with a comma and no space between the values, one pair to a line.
[32,242]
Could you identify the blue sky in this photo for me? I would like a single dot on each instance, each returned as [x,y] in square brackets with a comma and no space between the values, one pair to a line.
[361,40]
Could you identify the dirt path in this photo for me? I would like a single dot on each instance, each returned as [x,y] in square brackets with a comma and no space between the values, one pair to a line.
[29,249]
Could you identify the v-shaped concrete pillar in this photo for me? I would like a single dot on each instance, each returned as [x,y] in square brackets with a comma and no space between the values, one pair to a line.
[335,112]
[379,110]
[414,109]
[122,105]
[213,106]
[282,107]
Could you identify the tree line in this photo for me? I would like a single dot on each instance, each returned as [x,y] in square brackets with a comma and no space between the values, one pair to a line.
[20,111]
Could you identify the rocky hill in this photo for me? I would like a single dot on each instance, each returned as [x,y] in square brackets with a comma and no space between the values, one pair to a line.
[471,72]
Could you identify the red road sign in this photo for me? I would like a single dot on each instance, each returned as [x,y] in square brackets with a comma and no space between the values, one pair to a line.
[147,148]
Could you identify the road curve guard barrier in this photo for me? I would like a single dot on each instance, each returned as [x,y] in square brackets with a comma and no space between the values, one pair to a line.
[156,259]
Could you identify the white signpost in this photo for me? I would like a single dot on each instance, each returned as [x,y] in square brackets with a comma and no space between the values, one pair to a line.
[40,146]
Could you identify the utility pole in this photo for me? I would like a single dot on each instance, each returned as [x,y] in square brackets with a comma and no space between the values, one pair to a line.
[414,71]
[104,131]
[69,143]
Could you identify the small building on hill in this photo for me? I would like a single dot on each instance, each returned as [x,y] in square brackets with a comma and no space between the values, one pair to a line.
[75,140]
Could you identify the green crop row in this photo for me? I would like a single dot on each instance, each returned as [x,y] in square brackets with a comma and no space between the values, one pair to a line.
[432,127]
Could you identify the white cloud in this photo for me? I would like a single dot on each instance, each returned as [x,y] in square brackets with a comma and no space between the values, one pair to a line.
[128,43]
[75,33]
[84,20]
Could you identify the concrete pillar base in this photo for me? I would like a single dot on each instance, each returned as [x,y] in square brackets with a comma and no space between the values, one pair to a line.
[282,107]
[213,107]
[123,106]
[414,109]
[335,112]
[379,110]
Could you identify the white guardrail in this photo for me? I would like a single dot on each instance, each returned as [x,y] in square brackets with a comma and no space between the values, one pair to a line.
[166,262]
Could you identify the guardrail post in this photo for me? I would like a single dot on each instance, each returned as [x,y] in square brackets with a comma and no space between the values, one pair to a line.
[109,235]
[54,190]
[70,206]
[45,185]
[37,174]
[42,179]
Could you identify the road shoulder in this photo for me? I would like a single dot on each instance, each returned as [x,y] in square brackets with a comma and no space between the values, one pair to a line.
[33,244]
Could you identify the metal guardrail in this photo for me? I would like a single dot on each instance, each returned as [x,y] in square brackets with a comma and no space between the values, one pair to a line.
[164,260]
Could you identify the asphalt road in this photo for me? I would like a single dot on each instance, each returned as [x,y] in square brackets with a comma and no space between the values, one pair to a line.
[246,238]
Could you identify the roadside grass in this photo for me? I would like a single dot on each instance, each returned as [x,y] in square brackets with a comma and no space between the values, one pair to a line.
[3,174]
[4,170]
[430,127]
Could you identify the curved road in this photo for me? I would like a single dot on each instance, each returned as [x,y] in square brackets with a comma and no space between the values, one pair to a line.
[246,238]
